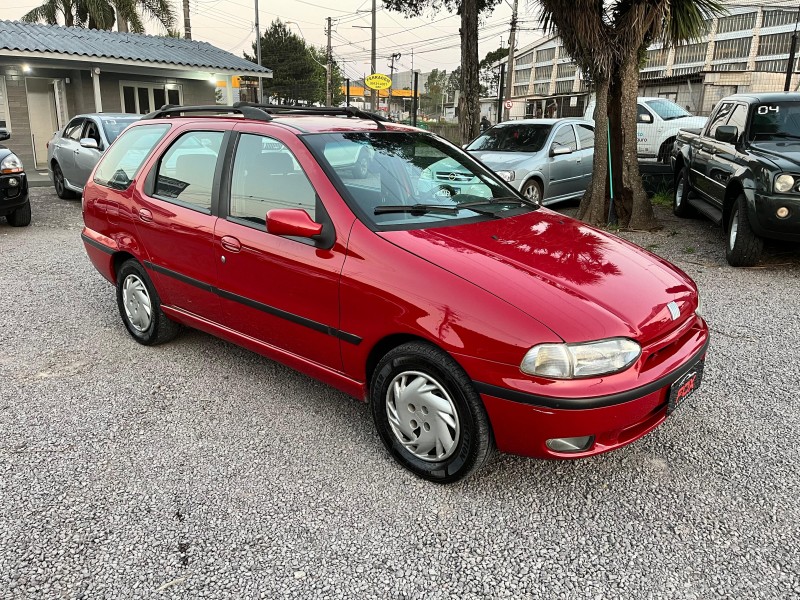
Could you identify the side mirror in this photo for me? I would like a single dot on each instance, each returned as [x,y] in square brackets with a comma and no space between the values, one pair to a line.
[560,151]
[727,133]
[4,134]
[90,143]
[292,221]
[644,118]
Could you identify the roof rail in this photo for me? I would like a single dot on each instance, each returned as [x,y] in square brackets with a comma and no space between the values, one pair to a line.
[348,111]
[249,112]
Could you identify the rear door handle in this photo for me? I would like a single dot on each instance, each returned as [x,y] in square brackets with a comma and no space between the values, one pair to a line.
[145,215]
[231,244]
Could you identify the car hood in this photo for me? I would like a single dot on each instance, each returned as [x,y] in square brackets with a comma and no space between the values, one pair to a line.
[785,155]
[578,281]
[504,160]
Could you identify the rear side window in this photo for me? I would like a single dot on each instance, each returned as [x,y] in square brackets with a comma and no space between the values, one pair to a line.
[186,171]
[124,158]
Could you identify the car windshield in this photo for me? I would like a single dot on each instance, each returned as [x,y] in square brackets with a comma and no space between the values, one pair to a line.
[113,126]
[667,109]
[394,179]
[513,138]
[775,121]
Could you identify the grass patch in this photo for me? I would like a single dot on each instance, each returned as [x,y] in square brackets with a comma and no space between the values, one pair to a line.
[662,198]
[689,250]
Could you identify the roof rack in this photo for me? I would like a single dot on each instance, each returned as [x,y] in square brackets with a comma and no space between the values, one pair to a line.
[171,110]
[348,111]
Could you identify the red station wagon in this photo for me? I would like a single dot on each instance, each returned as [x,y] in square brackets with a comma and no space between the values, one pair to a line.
[468,321]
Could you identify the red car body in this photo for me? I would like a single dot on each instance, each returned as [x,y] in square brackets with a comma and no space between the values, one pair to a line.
[483,292]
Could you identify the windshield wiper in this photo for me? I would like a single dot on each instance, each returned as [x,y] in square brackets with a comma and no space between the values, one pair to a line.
[421,209]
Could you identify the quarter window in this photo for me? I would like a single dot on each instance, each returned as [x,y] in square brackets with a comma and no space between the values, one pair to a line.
[265,176]
[186,171]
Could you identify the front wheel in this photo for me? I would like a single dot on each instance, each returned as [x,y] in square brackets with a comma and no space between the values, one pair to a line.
[428,414]
[744,246]
[680,203]
[532,190]
[140,307]
[20,217]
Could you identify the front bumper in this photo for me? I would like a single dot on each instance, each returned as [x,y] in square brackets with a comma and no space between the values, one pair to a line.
[13,197]
[768,224]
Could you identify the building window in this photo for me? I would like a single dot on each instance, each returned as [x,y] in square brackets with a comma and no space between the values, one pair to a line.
[656,58]
[691,53]
[737,22]
[142,98]
[775,65]
[525,59]
[735,48]
[564,86]
[737,66]
[777,43]
[546,55]
[541,89]
[4,118]
[565,70]
[522,76]
[543,73]
[653,74]
[773,18]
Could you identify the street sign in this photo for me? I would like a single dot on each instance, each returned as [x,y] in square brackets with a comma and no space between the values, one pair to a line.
[378,81]
[508,104]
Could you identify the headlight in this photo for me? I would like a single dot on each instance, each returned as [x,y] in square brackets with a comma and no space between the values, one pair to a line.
[784,183]
[507,175]
[572,361]
[11,164]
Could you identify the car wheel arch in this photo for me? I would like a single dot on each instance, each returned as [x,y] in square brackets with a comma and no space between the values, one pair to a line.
[538,179]
[119,259]
[731,195]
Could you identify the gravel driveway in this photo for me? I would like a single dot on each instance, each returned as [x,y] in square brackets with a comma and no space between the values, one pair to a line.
[200,470]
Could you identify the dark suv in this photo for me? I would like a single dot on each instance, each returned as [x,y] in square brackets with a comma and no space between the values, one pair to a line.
[466,320]
[14,203]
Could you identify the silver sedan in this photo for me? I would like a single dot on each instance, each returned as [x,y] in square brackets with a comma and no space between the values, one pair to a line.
[546,160]
[73,152]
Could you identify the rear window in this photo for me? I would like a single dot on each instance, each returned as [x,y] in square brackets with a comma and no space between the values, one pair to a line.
[124,158]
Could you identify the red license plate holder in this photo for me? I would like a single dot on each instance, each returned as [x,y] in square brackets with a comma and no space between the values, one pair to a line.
[685,386]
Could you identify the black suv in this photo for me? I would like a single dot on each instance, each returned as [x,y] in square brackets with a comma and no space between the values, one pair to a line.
[742,170]
[14,203]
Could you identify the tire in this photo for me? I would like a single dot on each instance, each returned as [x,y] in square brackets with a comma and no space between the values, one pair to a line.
[361,170]
[532,190]
[743,247]
[140,307]
[680,204]
[60,184]
[20,217]
[447,404]
[665,150]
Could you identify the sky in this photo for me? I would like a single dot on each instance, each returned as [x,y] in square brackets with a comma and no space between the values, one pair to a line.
[425,43]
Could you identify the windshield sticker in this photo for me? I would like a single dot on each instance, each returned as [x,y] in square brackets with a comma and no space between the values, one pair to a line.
[763,110]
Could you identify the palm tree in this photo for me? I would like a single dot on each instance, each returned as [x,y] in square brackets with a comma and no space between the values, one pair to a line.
[102,14]
[608,41]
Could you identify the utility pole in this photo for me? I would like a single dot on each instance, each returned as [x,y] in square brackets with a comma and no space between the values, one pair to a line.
[374,98]
[259,95]
[187,25]
[394,57]
[328,95]
[510,68]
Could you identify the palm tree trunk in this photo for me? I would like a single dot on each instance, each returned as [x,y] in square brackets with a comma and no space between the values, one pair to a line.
[594,204]
[638,211]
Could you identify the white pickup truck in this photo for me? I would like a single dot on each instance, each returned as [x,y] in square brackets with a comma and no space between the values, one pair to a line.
[658,122]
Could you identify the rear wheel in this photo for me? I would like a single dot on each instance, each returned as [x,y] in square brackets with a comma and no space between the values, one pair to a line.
[428,414]
[61,185]
[140,306]
[743,245]
[20,217]
[680,204]
[532,190]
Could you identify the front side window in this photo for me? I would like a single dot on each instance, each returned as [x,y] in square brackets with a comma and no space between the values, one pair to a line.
[513,138]
[739,118]
[720,118]
[123,160]
[585,135]
[266,176]
[411,180]
[186,171]
[73,129]
[565,138]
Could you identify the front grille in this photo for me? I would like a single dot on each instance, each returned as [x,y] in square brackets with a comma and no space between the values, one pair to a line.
[454,177]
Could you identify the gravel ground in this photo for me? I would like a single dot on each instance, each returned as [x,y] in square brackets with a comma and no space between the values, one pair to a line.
[200,470]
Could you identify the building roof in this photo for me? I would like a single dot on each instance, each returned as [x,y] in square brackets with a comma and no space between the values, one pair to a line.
[76,42]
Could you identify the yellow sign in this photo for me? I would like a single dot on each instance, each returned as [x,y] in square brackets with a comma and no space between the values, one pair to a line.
[378,81]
